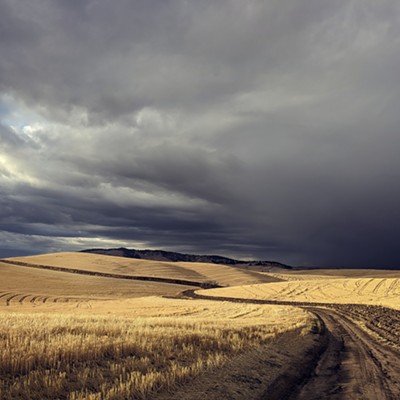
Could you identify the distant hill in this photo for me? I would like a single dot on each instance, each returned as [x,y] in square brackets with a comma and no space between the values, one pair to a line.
[161,255]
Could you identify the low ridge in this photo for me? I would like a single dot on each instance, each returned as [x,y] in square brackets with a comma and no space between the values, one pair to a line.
[162,255]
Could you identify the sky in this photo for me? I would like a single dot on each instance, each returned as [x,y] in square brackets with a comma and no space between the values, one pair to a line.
[251,129]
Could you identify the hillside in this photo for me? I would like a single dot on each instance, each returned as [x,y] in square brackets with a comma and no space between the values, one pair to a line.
[20,285]
[161,255]
[202,273]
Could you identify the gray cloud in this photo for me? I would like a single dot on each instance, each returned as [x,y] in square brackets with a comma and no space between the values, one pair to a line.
[263,129]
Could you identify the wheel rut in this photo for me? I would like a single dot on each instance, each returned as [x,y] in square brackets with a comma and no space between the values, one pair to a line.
[354,365]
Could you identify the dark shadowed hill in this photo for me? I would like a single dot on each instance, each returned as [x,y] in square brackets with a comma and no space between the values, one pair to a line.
[161,255]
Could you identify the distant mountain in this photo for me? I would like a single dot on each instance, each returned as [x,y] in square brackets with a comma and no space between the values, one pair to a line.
[161,255]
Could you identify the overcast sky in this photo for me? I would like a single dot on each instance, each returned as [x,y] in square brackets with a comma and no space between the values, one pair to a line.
[255,129]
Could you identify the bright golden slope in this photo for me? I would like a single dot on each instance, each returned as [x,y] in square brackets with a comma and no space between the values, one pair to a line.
[311,274]
[378,291]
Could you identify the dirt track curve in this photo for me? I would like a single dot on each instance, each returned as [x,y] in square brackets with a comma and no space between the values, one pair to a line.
[353,364]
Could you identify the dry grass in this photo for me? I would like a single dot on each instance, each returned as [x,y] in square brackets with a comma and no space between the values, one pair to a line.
[128,346]
[164,344]
[376,291]
[199,272]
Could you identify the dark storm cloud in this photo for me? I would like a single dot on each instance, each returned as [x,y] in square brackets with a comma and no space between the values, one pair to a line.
[261,129]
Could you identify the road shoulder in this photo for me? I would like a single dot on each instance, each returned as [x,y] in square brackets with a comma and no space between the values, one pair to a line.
[272,371]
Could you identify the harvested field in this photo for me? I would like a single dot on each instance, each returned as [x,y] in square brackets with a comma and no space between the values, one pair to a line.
[21,284]
[199,272]
[228,275]
[316,274]
[168,342]
[376,291]
[345,273]
[80,326]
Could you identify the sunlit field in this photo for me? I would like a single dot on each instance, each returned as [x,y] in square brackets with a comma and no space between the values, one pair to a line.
[110,355]
[315,274]
[374,291]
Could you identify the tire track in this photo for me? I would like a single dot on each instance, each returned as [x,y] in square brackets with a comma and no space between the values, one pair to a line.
[354,366]
[393,286]
[21,300]
[378,286]
[8,300]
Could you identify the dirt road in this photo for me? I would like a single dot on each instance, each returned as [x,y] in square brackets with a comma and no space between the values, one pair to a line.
[353,366]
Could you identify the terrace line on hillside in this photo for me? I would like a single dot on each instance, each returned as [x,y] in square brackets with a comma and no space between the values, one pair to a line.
[204,285]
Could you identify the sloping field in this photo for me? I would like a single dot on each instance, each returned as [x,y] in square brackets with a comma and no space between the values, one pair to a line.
[310,274]
[228,275]
[348,273]
[199,272]
[377,291]
[31,285]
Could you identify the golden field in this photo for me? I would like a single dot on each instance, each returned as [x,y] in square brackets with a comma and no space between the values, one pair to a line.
[199,272]
[313,274]
[159,346]
[71,336]
[22,284]
[383,291]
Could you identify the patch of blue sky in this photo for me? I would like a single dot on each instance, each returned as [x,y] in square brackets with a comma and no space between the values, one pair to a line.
[17,115]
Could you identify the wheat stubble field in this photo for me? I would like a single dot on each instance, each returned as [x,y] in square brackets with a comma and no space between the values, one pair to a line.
[70,330]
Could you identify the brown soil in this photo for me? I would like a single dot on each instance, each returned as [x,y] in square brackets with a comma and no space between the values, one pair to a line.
[354,366]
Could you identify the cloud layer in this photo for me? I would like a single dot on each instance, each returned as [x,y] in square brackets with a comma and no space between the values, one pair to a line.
[257,129]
